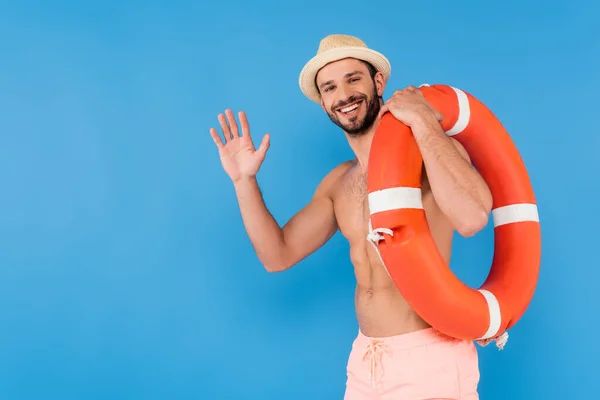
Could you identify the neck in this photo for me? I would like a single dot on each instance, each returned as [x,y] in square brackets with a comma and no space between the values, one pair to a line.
[361,146]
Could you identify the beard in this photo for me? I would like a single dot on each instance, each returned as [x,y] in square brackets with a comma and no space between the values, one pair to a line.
[357,126]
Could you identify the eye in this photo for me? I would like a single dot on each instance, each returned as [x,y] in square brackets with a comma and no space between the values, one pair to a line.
[329,88]
[352,80]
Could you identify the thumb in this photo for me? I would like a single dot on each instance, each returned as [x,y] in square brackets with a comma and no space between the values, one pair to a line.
[384,108]
[264,146]
[439,116]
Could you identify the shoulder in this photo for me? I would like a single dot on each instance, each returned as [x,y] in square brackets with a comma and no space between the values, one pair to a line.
[329,182]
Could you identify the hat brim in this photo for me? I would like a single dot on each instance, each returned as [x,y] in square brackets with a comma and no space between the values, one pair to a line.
[312,67]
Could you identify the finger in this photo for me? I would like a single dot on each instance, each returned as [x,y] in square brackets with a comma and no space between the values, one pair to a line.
[232,123]
[439,116]
[384,108]
[264,146]
[217,139]
[244,123]
[225,128]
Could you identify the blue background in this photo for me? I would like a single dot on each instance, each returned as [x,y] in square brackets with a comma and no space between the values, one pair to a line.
[125,270]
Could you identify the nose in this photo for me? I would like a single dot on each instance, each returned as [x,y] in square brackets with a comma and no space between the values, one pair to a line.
[343,91]
[346,97]
[345,94]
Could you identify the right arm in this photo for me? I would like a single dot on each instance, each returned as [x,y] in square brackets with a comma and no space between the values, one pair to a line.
[280,248]
[277,248]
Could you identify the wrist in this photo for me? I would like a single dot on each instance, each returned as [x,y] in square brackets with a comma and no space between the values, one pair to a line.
[243,182]
[425,124]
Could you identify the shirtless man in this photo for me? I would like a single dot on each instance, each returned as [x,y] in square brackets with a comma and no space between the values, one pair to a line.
[396,354]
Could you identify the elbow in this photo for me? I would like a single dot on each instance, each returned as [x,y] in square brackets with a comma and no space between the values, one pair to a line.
[473,224]
[279,264]
[277,259]
[477,219]
[275,267]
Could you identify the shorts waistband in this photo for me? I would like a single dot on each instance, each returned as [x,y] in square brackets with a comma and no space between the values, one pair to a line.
[409,340]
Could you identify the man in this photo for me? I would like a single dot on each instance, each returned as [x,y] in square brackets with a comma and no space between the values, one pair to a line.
[396,354]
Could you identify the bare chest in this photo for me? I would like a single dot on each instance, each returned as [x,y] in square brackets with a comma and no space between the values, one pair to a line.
[350,201]
[352,207]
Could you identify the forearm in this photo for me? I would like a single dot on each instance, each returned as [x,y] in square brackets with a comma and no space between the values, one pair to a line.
[459,190]
[264,232]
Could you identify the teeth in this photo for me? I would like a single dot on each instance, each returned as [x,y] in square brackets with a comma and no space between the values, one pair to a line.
[348,109]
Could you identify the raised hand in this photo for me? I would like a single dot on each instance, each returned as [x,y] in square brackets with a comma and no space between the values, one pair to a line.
[239,157]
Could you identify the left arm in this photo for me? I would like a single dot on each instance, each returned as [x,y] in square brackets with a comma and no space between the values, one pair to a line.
[461,193]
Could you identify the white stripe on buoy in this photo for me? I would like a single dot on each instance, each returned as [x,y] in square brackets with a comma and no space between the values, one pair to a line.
[515,213]
[395,198]
[464,113]
[495,315]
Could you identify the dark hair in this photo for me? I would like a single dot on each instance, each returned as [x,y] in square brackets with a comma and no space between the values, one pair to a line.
[372,71]
[371,68]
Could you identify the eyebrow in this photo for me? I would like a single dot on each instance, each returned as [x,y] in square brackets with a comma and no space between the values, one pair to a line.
[348,75]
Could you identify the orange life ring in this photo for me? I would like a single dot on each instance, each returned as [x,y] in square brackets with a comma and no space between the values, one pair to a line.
[400,233]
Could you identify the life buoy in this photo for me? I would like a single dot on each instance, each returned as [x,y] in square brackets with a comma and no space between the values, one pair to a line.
[400,233]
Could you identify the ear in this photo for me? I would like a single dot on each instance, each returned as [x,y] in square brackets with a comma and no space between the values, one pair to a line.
[379,83]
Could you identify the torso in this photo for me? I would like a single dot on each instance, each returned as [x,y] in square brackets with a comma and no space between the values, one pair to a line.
[381,310]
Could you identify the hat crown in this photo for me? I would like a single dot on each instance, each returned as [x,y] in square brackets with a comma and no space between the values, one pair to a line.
[338,40]
[338,47]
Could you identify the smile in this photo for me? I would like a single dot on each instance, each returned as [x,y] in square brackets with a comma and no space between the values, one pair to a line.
[350,109]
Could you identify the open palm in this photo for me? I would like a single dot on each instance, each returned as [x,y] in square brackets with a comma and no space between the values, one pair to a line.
[238,155]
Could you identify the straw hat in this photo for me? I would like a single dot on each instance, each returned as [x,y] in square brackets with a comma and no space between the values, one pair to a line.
[334,48]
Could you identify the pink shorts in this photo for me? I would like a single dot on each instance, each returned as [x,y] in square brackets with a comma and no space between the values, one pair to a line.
[417,365]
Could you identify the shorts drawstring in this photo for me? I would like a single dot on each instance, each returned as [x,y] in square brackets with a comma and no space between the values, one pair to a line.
[374,349]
